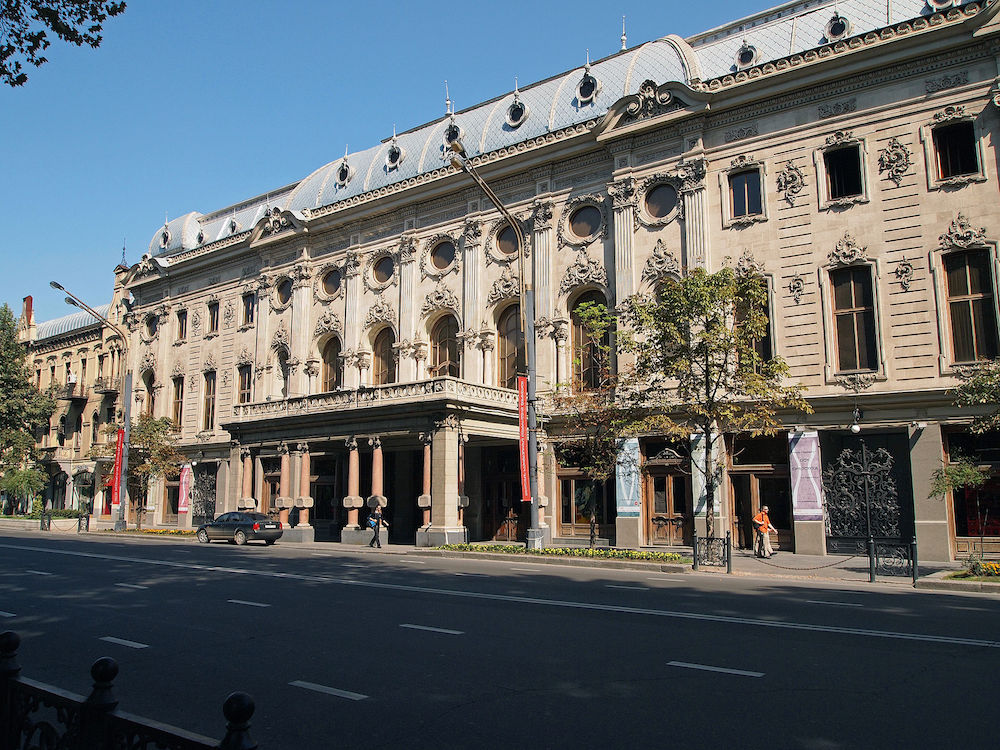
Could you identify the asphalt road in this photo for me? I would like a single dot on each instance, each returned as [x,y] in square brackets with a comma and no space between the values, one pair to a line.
[346,649]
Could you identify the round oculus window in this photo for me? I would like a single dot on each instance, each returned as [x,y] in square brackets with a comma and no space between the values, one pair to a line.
[837,28]
[516,114]
[383,270]
[443,255]
[661,200]
[746,56]
[585,221]
[507,240]
[331,282]
[152,325]
[394,156]
[284,291]
[587,89]
[344,173]
[452,133]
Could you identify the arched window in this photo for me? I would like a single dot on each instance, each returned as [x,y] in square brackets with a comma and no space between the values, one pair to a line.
[332,375]
[587,357]
[384,360]
[95,428]
[149,381]
[446,354]
[78,432]
[282,374]
[511,355]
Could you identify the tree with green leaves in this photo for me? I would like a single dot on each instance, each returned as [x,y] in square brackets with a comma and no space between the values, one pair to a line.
[152,454]
[698,368]
[980,387]
[25,26]
[23,412]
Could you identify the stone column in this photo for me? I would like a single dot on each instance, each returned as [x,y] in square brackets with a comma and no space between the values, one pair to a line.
[377,497]
[463,499]
[560,333]
[407,325]
[420,358]
[486,343]
[284,501]
[445,528]
[299,335]
[541,240]
[304,500]
[696,244]
[352,533]
[471,255]
[934,540]
[424,501]
[543,500]
[623,194]
[352,325]
[247,501]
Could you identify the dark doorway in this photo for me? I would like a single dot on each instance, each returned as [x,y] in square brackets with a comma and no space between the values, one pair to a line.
[504,518]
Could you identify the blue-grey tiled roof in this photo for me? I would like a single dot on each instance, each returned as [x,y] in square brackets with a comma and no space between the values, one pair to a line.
[552,105]
[68,323]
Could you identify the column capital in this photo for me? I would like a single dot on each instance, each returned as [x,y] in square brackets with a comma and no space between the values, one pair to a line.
[375,443]
[426,437]
[351,443]
[283,448]
[245,453]
[302,447]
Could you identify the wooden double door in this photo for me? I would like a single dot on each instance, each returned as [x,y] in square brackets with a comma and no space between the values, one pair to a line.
[667,508]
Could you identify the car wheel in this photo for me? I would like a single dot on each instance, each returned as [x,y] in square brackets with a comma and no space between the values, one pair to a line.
[269,542]
[240,537]
[203,536]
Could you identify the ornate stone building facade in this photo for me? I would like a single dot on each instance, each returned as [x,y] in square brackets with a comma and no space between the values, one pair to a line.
[352,338]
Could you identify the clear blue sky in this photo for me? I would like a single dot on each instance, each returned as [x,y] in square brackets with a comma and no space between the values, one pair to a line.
[193,105]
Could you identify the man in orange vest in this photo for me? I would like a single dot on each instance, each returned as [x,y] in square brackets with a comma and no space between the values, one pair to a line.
[762,523]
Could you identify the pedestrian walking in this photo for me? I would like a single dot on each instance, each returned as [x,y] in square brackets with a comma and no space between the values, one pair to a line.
[763,527]
[376,522]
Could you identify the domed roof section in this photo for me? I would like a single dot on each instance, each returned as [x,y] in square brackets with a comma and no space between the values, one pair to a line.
[72,322]
[177,234]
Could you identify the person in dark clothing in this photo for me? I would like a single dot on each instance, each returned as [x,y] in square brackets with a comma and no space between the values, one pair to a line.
[376,521]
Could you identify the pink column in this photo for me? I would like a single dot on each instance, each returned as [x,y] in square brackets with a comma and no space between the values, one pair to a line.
[377,478]
[424,501]
[247,473]
[461,478]
[304,476]
[284,482]
[353,499]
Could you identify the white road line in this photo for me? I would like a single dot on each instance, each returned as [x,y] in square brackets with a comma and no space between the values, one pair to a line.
[123,642]
[38,572]
[833,604]
[432,630]
[353,565]
[706,668]
[530,570]
[415,562]
[249,604]
[518,599]
[328,690]
[475,575]
[677,580]
[629,588]
[131,586]
[7,614]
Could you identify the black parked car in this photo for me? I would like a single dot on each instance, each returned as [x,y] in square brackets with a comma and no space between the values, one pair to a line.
[241,528]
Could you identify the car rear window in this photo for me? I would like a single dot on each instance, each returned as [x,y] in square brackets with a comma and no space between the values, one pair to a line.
[258,516]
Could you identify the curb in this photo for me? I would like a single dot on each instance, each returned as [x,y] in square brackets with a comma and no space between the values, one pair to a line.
[941,584]
[564,561]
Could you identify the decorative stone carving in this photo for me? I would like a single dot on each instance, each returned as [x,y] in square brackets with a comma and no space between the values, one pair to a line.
[301,275]
[371,284]
[441,298]
[147,363]
[264,282]
[329,322]
[743,161]
[493,252]
[192,383]
[791,181]
[244,357]
[835,109]
[449,422]
[904,273]
[565,236]
[848,252]
[280,341]
[961,234]
[995,92]
[796,286]
[507,286]
[275,222]
[894,159]
[177,370]
[840,138]
[650,101]
[208,365]
[196,323]
[352,263]
[738,134]
[585,270]
[623,193]
[472,232]
[691,174]
[950,81]
[381,312]
[541,213]
[312,368]
[225,378]
[661,264]
[857,382]
[229,314]
[427,267]
[747,265]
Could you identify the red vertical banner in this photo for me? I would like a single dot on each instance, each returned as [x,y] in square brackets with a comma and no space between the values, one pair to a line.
[522,424]
[116,475]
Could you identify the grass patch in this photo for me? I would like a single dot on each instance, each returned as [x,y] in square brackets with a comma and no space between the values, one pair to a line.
[152,532]
[965,576]
[597,553]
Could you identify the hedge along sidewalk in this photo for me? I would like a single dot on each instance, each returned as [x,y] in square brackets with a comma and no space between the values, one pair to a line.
[572,557]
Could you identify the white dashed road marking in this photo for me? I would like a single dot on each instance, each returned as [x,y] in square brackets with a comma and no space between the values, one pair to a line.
[123,642]
[249,604]
[328,690]
[529,570]
[706,668]
[131,586]
[7,614]
[38,572]
[432,630]
[629,588]
[677,580]
[833,604]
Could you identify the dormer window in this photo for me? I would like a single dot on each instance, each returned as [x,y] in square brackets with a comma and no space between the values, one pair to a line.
[517,113]
[393,157]
[587,89]
[344,174]
[451,134]
[837,28]
[746,56]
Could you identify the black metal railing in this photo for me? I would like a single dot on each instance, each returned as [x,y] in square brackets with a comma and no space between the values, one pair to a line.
[714,551]
[36,715]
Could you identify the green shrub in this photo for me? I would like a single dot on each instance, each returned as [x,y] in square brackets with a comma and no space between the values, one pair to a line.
[599,553]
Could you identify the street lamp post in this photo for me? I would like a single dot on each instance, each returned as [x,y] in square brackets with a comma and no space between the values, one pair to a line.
[459,159]
[72,299]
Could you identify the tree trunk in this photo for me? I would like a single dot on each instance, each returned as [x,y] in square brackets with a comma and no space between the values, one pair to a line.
[709,488]
[593,530]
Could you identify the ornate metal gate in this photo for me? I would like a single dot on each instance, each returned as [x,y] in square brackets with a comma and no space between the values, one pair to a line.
[862,510]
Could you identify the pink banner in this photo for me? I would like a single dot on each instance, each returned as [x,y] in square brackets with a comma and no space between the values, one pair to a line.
[806,476]
[522,423]
[116,472]
[185,489]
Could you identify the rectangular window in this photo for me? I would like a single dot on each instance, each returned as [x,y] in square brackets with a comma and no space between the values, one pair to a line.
[745,194]
[100,365]
[955,146]
[843,172]
[83,372]
[178,401]
[209,420]
[854,317]
[213,317]
[248,308]
[971,306]
[245,380]
[52,375]
[182,325]
[38,379]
